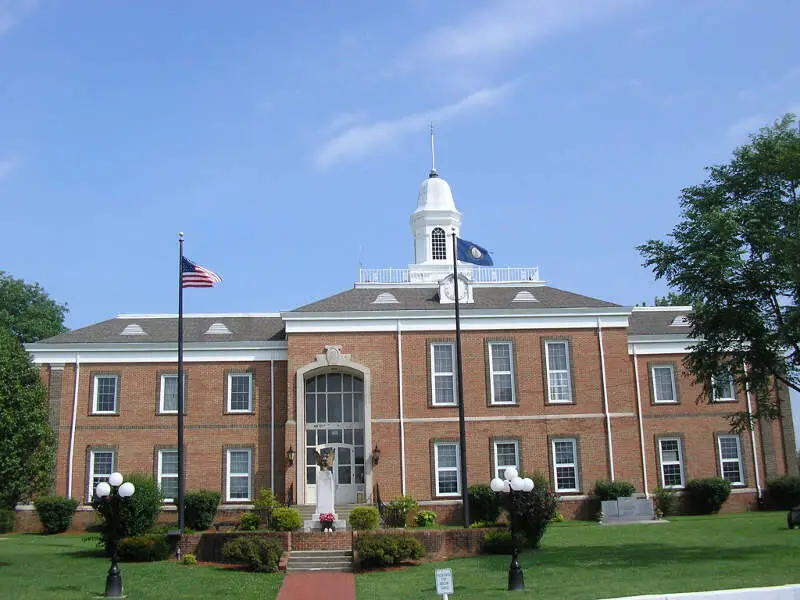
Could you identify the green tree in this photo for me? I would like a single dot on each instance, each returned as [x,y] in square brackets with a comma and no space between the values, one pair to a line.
[26,440]
[736,252]
[28,311]
[673,299]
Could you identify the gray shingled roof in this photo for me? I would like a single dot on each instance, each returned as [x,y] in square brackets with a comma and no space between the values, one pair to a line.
[656,322]
[361,299]
[165,329]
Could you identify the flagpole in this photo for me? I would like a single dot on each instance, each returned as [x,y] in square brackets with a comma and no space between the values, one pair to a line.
[460,383]
[181,478]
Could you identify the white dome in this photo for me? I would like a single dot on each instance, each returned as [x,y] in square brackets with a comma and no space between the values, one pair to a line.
[435,194]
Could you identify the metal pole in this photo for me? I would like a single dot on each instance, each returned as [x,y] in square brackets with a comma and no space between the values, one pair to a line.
[181,474]
[460,385]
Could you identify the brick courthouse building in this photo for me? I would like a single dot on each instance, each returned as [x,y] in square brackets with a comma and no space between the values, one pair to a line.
[554,381]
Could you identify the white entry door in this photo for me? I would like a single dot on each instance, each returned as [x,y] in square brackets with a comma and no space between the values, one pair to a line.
[344,475]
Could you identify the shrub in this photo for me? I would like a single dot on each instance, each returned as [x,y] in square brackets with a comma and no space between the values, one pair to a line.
[385,549]
[483,524]
[611,490]
[138,514]
[144,548]
[665,500]
[706,496]
[249,521]
[55,512]
[557,518]
[531,513]
[286,519]
[483,503]
[783,493]
[7,518]
[497,542]
[364,517]
[426,518]
[264,505]
[189,559]
[200,508]
[396,513]
[257,553]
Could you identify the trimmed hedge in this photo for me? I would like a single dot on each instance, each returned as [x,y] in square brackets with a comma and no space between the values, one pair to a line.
[249,521]
[783,493]
[7,518]
[386,549]
[665,500]
[285,518]
[257,553]
[497,542]
[706,496]
[611,490]
[200,508]
[55,512]
[144,548]
[483,505]
[364,517]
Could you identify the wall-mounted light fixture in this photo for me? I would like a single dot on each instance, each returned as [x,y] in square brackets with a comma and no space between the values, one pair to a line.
[376,454]
[290,456]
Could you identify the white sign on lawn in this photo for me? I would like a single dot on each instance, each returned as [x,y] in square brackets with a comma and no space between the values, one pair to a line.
[444,582]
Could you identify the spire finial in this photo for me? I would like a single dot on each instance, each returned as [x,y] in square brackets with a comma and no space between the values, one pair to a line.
[433,153]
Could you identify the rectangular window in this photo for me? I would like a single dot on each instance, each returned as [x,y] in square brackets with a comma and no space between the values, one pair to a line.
[502,373]
[730,459]
[448,476]
[558,380]
[663,381]
[671,462]
[506,454]
[105,394]
[101,466]
[443,374]
[169,394]
[565,465]
[723,388]
[240,388]
[168,474]
[238,487]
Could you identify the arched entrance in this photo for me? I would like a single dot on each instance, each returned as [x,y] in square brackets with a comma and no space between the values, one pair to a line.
[333,411]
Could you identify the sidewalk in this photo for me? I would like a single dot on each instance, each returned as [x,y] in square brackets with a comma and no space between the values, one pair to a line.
[311,586]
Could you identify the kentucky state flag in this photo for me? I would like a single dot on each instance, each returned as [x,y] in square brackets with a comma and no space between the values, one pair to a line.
[472,253]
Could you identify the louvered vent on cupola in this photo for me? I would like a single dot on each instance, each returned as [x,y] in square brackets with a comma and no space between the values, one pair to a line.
[385,298]
[133,329]
[218,329]
[680,321]
[524,296]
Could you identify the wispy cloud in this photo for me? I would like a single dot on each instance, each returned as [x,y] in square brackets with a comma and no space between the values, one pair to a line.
[13,11]
[361,139]
[8,166]
[503,28]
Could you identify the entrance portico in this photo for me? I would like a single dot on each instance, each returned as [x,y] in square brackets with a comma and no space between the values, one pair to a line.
[334,411]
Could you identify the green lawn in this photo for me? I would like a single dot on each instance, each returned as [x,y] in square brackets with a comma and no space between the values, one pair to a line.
[580,560]
[64,567]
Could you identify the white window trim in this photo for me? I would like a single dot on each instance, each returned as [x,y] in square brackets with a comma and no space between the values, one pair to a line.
[497,466]
[161,408]
[738,460]
[95,392]
[656,400]
[732,386]
[457,469]
[249,408]
[92,452]
[160,473]
[492,373]
[679,462]
[573,464]
[434,373]
[229,475]
[547,345]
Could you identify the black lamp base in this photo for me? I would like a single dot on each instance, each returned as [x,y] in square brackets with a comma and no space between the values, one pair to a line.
[516,579]
[114,582]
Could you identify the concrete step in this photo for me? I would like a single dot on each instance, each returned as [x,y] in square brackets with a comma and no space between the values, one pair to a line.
[320,560]
[347,569]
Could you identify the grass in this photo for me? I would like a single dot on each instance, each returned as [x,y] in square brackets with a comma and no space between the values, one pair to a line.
[65,567]
[580,560]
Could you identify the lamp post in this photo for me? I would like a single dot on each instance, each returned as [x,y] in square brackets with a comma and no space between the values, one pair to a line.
[108,501]
[513,484]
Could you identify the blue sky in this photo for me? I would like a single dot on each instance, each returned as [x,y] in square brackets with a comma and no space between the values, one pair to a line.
[288,138]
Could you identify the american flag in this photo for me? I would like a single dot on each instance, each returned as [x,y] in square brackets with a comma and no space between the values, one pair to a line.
[193,275]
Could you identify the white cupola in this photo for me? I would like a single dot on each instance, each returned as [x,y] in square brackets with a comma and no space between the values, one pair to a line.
[433,222]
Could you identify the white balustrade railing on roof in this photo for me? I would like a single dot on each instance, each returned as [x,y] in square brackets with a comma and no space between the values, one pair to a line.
[476,274]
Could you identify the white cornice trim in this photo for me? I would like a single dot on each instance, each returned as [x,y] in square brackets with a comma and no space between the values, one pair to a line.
[660,344]
[662,308]
[194,315]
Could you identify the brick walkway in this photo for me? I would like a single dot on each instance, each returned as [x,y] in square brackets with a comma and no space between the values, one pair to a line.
[311,586]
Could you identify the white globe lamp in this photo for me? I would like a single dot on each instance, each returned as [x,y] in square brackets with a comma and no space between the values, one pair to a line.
[115,479]
[126,489]
[102,490]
